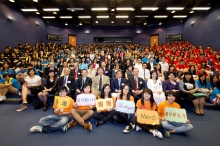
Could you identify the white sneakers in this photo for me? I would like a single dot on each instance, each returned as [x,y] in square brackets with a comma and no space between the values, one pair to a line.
[138,128]
[36,129]
[2,98]
[157,133]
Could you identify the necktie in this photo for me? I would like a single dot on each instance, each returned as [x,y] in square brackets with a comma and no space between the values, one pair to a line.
[83,81]
[144,73]
[64,81]
[136,83]
[100,83]
[119,83]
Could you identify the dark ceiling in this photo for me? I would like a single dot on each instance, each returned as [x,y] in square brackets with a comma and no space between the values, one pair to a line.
[136,4]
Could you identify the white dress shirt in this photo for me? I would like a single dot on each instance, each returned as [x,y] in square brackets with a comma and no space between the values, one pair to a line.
[143,74]
[164,66]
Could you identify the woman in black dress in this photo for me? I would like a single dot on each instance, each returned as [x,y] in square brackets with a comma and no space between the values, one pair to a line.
[49,88]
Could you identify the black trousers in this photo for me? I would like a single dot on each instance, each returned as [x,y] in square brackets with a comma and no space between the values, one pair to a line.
[104,116]
[136,97]
[145,127]
[122,118]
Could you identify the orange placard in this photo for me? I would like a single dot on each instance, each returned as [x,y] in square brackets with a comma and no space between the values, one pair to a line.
[147,117]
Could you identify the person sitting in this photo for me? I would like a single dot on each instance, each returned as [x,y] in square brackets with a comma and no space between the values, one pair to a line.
[159,72]
[50,67]
[81,113]
[117,83]
[61,69]
[147,103]
[107,71]
[99,81]
[91,71]
[102,116]
[213,81]
[172,85]
[49,88]
[79,83]
[215,96]
[114,71]
[6,70]
[144,73]
[21,74]
[32,85]
[128,72]
[156,86]
[124,117]
[188,87]
[60,117]
[204,85]
[10,85]
[172,127]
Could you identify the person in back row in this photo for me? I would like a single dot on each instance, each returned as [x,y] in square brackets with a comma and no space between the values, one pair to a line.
[172,127]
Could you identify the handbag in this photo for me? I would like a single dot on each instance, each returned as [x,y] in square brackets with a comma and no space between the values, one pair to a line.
[35,89]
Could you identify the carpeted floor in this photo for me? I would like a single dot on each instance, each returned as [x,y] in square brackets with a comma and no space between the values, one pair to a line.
[14,131]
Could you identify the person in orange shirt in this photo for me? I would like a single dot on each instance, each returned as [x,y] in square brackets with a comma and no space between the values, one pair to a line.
[102,116]
[81,113]
[172,127]
[147,103]
[124,117]
[61,115]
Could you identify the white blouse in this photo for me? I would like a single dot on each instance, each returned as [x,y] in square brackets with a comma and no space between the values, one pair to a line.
[32,81]
[154,86]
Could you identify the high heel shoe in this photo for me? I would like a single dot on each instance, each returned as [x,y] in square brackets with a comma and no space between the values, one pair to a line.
[45,108]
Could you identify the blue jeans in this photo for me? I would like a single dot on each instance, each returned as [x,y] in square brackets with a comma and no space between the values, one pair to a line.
[177,127]
[53,122]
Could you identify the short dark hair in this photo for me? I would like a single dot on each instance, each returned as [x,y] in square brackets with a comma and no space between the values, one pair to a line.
[63,88]
[6,75]
[86,84]
[30,69]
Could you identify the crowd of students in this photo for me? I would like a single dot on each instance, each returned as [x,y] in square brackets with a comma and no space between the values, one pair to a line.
[152,77]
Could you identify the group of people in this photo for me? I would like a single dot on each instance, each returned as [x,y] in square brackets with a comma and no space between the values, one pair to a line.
[151,77]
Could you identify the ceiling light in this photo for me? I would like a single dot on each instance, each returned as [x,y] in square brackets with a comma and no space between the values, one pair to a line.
[191,12]
[51,9]
[37,23]
[112,9]
[49,17]
[54,12]
[66,17]
[37,13]
[173,11]
[125,9]
[175,8]
[12,1]
[121,16]
[84,17]
[149,8]
[10,18]
[99,9]
[179,16]
[128,21]
[102,16]
[66,24]
[138,31]
[75,9]
[35,1]
[29,10]
[201,8]
[145,23]
[160,16]
[80,23]
[192,23]
[96,21]
[160,23]
[87,31]
[141,16]
[112,21]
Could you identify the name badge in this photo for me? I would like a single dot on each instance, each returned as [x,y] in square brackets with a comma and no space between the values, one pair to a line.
[106,71]
[78,73]
[141,82]
[68,81]
[122,84]
[55,72]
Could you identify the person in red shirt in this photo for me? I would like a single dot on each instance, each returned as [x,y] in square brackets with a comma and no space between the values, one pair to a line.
[191,58]
[204,65]
[217,67]
[202,71]
[181,68]
[216,60]
[201,58]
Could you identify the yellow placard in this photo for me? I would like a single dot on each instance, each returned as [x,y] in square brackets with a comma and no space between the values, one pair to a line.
[147,117]
[102,104]
[61,102]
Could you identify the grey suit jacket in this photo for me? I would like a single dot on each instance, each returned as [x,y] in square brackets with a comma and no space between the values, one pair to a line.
[95,82]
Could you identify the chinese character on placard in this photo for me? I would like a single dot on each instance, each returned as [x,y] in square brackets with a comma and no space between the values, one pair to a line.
[64,103]
[108,103]
[100,104]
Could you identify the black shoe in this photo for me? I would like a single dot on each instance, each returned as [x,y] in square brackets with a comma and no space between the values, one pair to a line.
[45,108]
[97,123]
[127,129]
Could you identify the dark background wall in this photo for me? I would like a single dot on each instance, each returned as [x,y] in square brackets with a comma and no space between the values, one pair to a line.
[206,28]
[114,31]
[22,29]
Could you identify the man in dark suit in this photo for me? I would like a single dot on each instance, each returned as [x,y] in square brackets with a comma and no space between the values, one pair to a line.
[151,65]
[51,67]
[79,83]
[136,85]
[118,83]
[67,81]
[61,69]
[107,71]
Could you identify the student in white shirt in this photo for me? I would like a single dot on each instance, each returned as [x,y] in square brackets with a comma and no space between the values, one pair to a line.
[138,65]
[144,73]
[156,86]
[164,64]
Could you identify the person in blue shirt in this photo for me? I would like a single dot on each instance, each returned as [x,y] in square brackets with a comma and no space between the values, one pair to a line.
[31,66]
[202,82]
[8,84]
[145,59]
[83,64]
[215,96]
[44,63]
[6,69]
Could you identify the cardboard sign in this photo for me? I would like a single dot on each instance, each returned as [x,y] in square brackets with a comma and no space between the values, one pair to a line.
[85,99]
[125,106]
[175,115]
[148,117]
[103,104]
[60,102]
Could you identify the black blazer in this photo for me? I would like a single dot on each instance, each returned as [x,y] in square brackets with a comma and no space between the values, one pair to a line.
[46,72]
[79,82]
[132,84]
[60,71]
[78,73]
[115,86]
[149,67]
[70,82]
